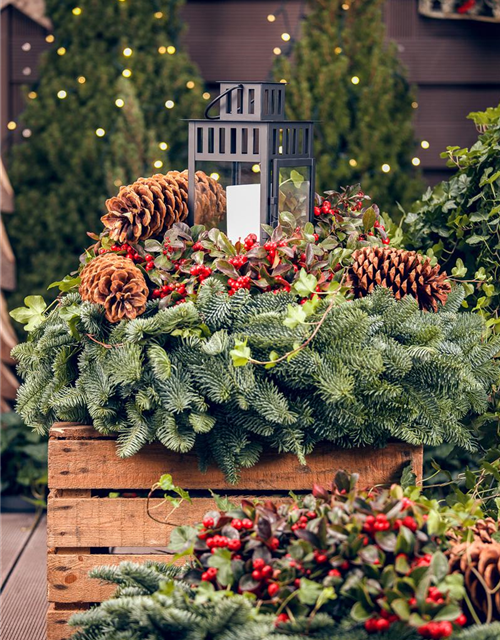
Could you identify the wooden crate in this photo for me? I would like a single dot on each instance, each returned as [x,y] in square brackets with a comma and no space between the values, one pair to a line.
[87,528]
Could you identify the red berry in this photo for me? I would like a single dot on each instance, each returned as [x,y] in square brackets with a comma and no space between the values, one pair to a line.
[345,565]
[283,617]
[410,523]
[102,250]
[256,574]
[274,544]
[371,625]
[236,523]
[382,625]
[234,545]
[204,577]
[317,211]
[149,258]
[273,589]
[211,572]
[326,206]
[461,620]
[247,523]
[321,558]
[334,573]
[208,522]
[385,241]
[259,563]
[267,571]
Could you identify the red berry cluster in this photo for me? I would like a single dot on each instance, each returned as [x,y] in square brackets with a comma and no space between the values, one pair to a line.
[243,282]
[380,624]
[177,288]
[238,261]
[250,241]
[201,271]
[436,630]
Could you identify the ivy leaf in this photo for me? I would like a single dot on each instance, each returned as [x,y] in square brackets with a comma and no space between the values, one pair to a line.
[222,503]
[459,270]
[295,315]
[309,591]
[408,478]
[182,538]
[241,354]
[66,284]
[306,283]
[273,356]
[32,315]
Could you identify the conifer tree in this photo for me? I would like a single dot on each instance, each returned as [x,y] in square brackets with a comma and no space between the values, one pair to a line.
[343,75]
[84,137]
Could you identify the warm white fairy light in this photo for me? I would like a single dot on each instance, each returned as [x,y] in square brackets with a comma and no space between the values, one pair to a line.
[49,38]
[345,6]
[337,50]
[424,144]
[158,15]
[353,162]
[119,102]
[162,50]
[82,79]
[276,51]
[26,46]
[61,94]
[77,11]
[157,164]
[61,51]
[11,125]
[256,168]
[285,37]
[414,105]
[215,176]
[355,80]
[415,162]
[127,52]
[163,146]
[386,168]
[26,71]
[271,17]
[126,73]
[283,81]
[170,104]
[206,96]
[117,182]
[171,50]
[190,84]
[32,95]
[100,132]
[26,133]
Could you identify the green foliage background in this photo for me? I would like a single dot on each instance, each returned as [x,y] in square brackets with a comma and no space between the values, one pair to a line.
[370,121]
[62,174]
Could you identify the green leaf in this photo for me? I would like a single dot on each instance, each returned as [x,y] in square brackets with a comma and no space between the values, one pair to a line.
[439,566]
[450,612]
[166,483]
[273,356]
[67,283]
[306,284]
[309,591]
[221,560]
[295,315]
[359,613]
[297,178]
[401,608]
[408,477]
[32,315]
[369,218]
[222,503]
[182,537]
[241,354]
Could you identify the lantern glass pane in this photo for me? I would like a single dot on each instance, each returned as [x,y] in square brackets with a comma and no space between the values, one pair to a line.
[233,206]
[294,191]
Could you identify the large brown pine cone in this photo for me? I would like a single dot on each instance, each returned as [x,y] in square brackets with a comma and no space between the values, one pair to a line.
[404,272]
[479,562]
[150,206]
[115,283]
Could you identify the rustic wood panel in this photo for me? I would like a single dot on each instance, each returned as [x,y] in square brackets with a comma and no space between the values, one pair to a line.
[57,622]
[16,530]
[94,464]
[68,580]
[118,522]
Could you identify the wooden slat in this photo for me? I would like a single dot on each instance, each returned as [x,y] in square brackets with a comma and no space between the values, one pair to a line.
[57,619]
[68,580]
[94,464]
[23,602]
[117,522]
[16,529]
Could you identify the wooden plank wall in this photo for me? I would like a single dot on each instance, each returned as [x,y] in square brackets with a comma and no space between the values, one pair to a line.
[454,63]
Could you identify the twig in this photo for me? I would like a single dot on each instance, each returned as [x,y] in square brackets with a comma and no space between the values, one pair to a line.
[103,344]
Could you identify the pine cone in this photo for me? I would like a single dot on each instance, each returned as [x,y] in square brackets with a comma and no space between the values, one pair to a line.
[479,562]
[405,272]
[210,200]
[117,284]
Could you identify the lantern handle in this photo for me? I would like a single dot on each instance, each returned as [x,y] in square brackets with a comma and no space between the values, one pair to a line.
[216,100]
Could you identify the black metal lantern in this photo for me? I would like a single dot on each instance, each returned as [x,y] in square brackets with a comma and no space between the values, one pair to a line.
[262,163]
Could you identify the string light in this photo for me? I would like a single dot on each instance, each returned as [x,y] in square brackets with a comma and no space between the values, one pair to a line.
[355,80]
[82,79]
[49,38]
[190,84]
[285,36]
[26,71]
[276,51]
[424,144]
[157,164]
[415,162]
[345,6]
[11,125]
[271,17]
[100,132]
[158,15]
[162,50]
[117,182]
[77,11]
[163,146]
[61,51]
[386,168]
[127,52]
[256,168]
[353,162]
[26,46]
[283,81]
[215,176]
[170,104]
[414,105]
[61,94]
[32,95]
[119,102]
[171,50]
[206,96]
[126,73]
[338,50]
[26,133]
